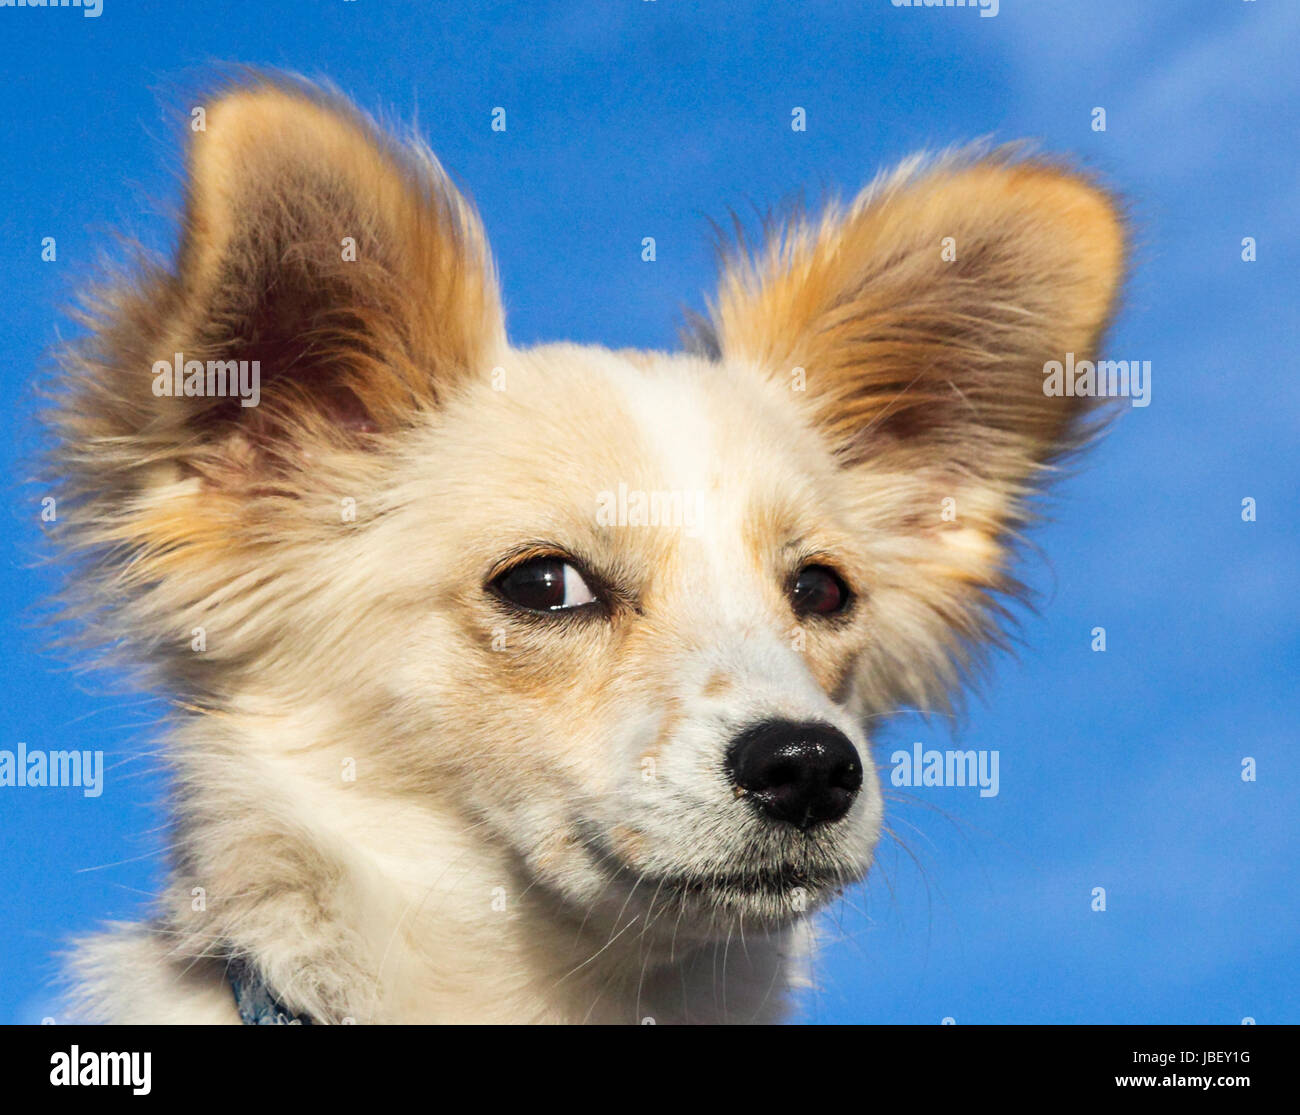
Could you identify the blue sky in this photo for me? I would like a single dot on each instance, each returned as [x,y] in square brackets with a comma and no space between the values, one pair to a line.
[630,118]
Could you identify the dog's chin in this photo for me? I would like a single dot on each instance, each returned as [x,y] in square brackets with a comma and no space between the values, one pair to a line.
[699,897]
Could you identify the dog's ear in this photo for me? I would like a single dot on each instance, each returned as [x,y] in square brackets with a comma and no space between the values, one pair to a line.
[345,264]
[914,327]
[923,315]
[356,277]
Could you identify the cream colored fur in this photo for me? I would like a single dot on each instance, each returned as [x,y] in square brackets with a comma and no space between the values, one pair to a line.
[402,803]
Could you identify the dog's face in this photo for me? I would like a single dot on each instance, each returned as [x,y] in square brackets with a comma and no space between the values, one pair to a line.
[644,605]
[632,613]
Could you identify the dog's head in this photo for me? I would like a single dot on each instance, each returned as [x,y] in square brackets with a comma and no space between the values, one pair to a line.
[630,612]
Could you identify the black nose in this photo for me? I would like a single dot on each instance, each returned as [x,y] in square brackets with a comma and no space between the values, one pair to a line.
[802,774]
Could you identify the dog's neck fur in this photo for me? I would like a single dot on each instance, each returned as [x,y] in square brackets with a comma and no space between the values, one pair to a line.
[353,909]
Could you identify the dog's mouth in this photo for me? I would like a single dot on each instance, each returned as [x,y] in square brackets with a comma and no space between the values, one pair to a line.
[775,888]
[763,881]
[776,892]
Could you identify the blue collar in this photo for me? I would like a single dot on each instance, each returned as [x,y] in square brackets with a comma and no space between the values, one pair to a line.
[256,1003]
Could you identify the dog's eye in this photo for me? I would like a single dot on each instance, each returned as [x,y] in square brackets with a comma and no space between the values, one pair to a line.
[819,591]
[544,584]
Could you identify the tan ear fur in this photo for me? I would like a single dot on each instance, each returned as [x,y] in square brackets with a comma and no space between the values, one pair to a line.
[280,177]
[171,500]
[276,182]
[902,347]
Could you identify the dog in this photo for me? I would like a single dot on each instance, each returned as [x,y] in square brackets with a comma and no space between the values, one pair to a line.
[535,684]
